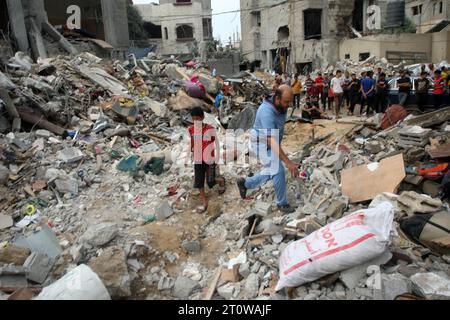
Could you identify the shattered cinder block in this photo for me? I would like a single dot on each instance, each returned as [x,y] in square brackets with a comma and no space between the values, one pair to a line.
[38,267]
[164,211]
[412,202]
[431,286]
[70,155]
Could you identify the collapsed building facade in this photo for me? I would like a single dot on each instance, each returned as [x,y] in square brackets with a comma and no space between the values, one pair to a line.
[178,26]
[26,21]
[297,36]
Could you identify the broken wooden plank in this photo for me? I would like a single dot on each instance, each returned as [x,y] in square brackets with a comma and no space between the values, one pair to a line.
[212,286]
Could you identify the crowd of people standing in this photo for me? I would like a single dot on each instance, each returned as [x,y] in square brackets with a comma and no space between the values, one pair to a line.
[369,89]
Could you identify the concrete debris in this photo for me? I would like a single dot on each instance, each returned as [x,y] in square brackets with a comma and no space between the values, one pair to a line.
[394,285]
[431,286]
[70,155]
[227,291]
[251,286]
[88,164]
[100,234]
[352,277]
[412,202]
[184,287]
[164,211]
[38,267]
[191,246]
[112,269]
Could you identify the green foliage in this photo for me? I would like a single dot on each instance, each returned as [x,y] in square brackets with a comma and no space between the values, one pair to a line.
[136,24]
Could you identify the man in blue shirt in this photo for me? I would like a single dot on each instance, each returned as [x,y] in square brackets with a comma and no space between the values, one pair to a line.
[266,137]
[368,93]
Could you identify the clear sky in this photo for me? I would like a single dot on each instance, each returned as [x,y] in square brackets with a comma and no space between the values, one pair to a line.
[225,24]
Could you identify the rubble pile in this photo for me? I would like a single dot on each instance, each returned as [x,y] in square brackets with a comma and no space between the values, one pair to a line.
[94,186]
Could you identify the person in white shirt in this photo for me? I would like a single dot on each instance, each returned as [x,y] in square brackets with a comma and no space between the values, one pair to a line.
[336,85]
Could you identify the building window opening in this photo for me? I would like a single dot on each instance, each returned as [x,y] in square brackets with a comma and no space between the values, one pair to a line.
[417,10]
[283,33]
[166,33]
[207,29]
[154,31]
[313,24]
[185,32]
[256,19]
[364,56]
[358,16]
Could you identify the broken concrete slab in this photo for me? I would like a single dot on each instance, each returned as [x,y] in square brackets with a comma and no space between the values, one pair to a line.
[111,267]
[43,241]
[373,147]
[412,202]
[191,246]
[251,286]
[394,285]
[164,211]
[431,119]
[6,221]
[431,286]
[336,209]
[67,186]
[38,267]
[70,155]
[184,287]
[13,277]
[227,291]
[14,255]
[353,276]
[101,234]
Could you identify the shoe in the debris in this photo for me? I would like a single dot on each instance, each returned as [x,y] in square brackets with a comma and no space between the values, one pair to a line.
[242,188]
[287,209]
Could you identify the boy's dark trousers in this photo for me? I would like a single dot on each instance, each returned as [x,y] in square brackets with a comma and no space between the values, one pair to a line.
[438,99]
[422,101]
[346,98]
[381,102]
[354,99]
[370,104]
[324,98]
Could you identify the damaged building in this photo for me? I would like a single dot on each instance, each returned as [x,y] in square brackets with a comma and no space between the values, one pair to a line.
[178,26]
[299,36]
[28,23]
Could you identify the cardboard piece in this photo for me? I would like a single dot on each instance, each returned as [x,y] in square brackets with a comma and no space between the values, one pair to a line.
[365,182]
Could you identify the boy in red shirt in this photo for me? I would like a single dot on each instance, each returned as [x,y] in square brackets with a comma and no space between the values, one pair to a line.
[203,146]
[438,92]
